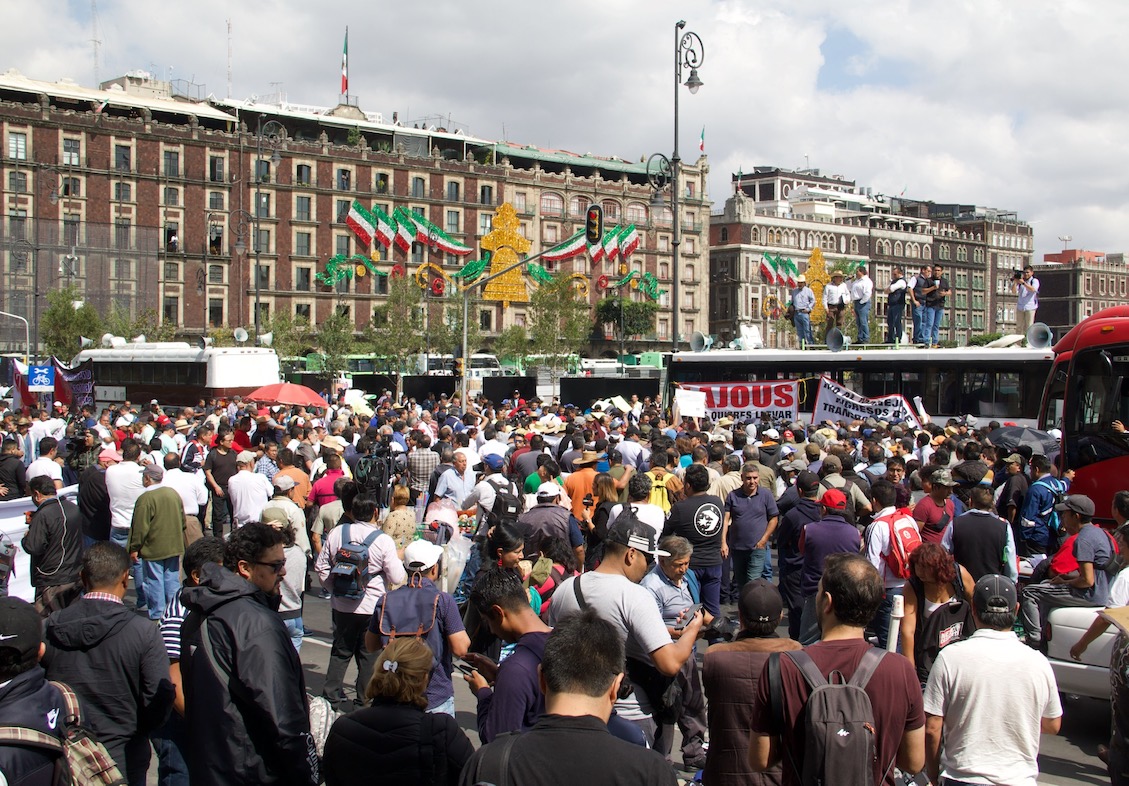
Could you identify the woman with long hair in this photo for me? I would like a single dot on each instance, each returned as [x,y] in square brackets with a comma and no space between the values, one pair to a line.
[938,606]
[395,739]
[595,523]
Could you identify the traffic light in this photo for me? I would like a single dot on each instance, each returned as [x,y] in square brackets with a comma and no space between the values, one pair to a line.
[459,367]
[594,228]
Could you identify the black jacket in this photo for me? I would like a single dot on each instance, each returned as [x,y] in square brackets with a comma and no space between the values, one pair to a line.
[400,741]
[12,476]
[115,661]
[54,542]
[258,729]
[29,700]
[94,503]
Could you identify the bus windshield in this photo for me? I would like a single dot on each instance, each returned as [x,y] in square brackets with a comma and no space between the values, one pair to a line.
[1097,397]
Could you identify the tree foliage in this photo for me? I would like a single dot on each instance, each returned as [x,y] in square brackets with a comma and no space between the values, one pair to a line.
[396,328]
[61,325]
[290,335]
[148,323]
[335,339]
[630,317]
[512,344]
[560,321]
[447,339]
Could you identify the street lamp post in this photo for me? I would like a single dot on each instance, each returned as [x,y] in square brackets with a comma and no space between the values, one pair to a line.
[689,52]
[659,176]
[245,218]
[29,253]
[273,133]
[27,335]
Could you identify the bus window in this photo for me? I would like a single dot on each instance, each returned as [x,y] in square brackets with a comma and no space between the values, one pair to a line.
[1097,398]
[1056,394]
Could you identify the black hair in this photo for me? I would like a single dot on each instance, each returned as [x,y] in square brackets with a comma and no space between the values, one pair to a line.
[855,588]
[363,508]
[874,454]
[884,493]
[202,551]
[997,620]
[103,565]
[639,487]
[346,490]
[497,586]
[731,463]
[1121,503]
[558,550]
[41,484]
[697,478]
[583,655]
[249,543]
[1040,464]
[503,537]
[131,450]
[47,444]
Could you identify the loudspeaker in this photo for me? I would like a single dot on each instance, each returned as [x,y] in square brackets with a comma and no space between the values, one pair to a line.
[266,339]
[1039,336]
[138,339]
[84,342]
[203,342]
[700,342]
[107,340]
[240,335]
[836,341]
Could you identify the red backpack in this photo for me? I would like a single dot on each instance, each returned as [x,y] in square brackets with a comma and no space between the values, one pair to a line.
[904,538]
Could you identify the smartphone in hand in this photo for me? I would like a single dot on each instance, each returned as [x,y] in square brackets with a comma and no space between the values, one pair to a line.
[689,615]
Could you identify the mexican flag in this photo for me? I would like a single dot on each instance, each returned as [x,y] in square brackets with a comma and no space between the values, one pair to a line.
[790,272]
[610,244]
[345,65]
[405,230]
[384,227]
[768,269]
[362,223]
[628,242]
[596,251]
[572,247]
[428,233]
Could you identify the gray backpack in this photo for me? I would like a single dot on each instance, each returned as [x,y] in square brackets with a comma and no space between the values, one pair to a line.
[840,743]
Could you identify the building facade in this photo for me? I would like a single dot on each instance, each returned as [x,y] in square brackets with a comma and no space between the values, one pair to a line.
[147,198]
[1074,284]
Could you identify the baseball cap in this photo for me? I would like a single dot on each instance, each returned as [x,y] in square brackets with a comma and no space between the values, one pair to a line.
[760,602]
[943,477]
[631,532]
[110,454]
[548,490]
[421,555]
[994,593]
[834,499]
[245,457]
[1079,503]
[283,482]
[770,433]
[807,482]
[1014,458]
[494,461]
[154,472]
[21,629]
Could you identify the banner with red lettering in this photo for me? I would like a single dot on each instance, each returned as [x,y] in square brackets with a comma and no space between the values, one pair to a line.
[750,400]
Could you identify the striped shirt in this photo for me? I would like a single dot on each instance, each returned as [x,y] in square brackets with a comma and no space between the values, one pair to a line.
[175,613]
[106,596]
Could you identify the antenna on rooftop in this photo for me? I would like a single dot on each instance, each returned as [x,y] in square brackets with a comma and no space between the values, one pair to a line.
[229,58]
[1065,240]
[94,40]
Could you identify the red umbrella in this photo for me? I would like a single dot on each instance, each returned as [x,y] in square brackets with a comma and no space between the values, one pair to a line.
[287,393]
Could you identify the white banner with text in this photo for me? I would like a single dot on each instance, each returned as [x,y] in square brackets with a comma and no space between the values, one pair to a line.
[834,402]
[749,400]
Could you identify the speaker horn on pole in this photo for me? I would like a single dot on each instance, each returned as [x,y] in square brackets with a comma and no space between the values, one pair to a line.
[1039,336]
[700,342]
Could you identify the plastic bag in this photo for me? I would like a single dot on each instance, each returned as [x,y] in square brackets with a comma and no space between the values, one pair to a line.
[456,553]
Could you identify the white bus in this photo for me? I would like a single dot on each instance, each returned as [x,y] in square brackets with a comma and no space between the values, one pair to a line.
[993,383]
[176,373]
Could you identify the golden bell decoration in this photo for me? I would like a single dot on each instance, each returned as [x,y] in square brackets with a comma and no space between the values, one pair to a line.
[817,278]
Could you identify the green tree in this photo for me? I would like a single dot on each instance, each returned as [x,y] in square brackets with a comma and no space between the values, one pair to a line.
[61,325]
[396,328]
[121,322]
[512,344]
[335,340]
[560,322]
[290,334]
[630,317]
[447,339]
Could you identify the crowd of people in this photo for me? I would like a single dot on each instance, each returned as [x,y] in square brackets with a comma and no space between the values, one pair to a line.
[628,576]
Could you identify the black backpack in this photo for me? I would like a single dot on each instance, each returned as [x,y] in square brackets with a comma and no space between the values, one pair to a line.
[840,743]
[350,565]
[849,512]
[949,623]
[508,503]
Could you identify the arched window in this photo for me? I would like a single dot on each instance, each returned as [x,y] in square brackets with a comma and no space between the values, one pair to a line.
[756,235]
[636,213]
[927,252]
[854,245]
[578,205]
[551,204]
[665,217]
[724,235]
[898,249]
[611,210]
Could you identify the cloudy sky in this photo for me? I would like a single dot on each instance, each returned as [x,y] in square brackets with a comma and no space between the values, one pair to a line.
[1017,105]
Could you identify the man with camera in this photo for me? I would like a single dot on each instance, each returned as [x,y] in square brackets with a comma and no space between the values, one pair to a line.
[1027,291]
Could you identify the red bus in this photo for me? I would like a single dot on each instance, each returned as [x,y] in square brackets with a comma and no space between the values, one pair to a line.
[1086,391]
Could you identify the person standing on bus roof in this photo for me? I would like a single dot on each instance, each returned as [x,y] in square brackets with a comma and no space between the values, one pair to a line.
[862,296]
[896,306]
[836,295]
[919,288]
[803,301]
[1027,291]
[935,302]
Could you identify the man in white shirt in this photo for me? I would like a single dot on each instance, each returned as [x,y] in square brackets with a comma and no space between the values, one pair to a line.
[457,483]
[876,541]
[976,682]
[193,493]
[836,296]
[862,297]
[491,444]
[124,485]
[46,463]
[248,490]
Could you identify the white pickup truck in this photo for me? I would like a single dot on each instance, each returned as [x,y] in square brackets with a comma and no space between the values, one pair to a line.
[1089,676]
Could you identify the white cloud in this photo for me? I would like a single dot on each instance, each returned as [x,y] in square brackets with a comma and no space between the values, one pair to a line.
[1014,105]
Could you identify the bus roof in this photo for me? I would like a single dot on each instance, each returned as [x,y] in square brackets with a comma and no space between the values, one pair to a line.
[817,357]
[168,350]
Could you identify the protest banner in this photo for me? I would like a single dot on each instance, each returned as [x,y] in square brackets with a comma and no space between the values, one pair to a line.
[834,402]
[778,400]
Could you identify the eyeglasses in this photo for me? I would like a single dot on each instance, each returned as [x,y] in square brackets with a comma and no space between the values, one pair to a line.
[276,567]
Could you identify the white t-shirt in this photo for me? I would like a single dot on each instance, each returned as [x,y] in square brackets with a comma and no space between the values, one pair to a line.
[878,546]
[123,482]
[1119,590]
[249,492]
[974,684]
[45,466]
